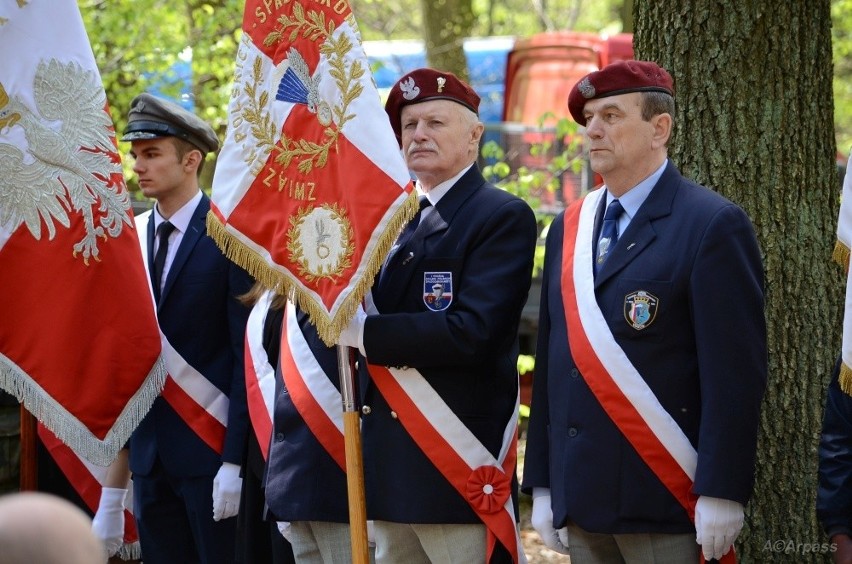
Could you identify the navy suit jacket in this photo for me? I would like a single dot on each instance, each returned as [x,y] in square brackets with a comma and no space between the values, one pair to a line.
[200,316]
[304,483]
[485,239]
[703,355]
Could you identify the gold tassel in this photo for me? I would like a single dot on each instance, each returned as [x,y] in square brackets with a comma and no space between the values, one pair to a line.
[845,378]
[286,284]
[841,255]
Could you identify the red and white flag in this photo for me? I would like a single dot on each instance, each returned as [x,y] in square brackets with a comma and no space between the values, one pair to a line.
[310,188]
[79,343]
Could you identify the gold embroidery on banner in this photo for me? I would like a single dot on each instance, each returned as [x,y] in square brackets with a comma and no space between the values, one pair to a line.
[257,114]
[314,27]
[321,242]
[66,168]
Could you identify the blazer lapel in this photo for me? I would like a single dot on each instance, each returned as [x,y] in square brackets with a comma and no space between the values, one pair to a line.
[640,234]
[195,230]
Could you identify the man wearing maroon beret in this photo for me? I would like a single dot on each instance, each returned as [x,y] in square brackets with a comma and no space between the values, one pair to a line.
[440,396]
[651,359]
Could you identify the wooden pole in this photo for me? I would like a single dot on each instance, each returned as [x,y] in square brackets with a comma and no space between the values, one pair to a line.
[29,453]
[354,459]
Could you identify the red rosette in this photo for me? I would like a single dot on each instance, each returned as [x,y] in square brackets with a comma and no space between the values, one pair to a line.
[488,488]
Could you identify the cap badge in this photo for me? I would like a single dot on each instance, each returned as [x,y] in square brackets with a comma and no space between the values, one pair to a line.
[586,89]
[410,91]
[640,309]
[441,83]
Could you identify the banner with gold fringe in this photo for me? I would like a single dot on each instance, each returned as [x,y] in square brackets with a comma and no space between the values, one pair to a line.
[310,188]
[79,342]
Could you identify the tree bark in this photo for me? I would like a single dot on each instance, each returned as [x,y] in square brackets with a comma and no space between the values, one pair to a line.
[446,23]
[754,121]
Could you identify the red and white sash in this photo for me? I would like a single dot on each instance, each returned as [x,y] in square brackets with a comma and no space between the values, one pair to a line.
[201,405]
[483,481]
[616,383]
[316,399]
[313,394]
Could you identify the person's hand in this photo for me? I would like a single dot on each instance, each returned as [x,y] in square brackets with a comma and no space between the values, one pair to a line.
[226,491]
[371,533]
[284,529]
[108,523]
[717,524]
[842,545]
[542,522]
[351,334]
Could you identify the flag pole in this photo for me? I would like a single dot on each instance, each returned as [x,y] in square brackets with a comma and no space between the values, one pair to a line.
[29,456]
[354,460]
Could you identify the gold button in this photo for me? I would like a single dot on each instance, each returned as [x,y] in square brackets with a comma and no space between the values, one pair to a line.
[394,415]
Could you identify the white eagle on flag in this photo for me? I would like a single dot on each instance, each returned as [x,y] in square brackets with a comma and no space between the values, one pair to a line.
[67,162]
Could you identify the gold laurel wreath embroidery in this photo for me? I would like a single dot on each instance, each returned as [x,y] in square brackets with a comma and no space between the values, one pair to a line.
[297,252]
[256,113]
[314,27]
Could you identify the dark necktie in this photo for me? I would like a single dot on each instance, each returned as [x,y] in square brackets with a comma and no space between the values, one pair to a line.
[609,231]
[406,234]
[163,231]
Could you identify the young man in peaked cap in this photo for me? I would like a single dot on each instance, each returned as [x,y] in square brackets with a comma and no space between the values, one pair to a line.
[186,469]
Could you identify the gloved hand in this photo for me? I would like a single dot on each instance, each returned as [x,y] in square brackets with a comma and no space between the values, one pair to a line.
[351,336]
[542,522]
[371,533]
[717,524]
[108,523]
[284,529]
[226,491]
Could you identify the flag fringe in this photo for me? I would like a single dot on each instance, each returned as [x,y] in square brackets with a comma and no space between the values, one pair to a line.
[845,378]
[71,431]
[841,254]
[130,551]
[285,284]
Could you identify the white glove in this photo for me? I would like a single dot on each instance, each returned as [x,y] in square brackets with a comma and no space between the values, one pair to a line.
[353,334]
[542,522]
[371,534]
[284,529]
[226,491]
[108,523]
[717,524]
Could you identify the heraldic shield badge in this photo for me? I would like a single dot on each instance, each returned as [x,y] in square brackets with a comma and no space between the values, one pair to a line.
[640,309]
[437,290]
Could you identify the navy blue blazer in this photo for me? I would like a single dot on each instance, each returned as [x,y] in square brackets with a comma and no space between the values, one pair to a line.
[481,240]
[200,316]
[703,355]
[303,481]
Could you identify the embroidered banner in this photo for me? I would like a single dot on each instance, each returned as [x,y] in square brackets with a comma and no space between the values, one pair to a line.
[79,343]
[310,188]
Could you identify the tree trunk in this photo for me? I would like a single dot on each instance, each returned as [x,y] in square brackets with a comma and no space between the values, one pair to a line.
[446,23]
[754,121]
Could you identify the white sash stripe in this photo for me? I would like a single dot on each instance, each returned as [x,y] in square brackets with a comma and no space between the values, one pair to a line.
[196,386]
[611,355]
[315,379]
[264,371]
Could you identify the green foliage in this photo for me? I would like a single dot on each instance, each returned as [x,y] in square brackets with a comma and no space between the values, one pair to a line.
[558,151]
[526,363]
[841,40]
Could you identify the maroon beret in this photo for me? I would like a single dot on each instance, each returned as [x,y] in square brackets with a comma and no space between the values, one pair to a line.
[428,84]
[617,78]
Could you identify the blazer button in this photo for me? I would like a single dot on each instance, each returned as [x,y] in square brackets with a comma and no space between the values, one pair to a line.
[574,373]
[279,437]
[394,415]
[572,432]
[366,410]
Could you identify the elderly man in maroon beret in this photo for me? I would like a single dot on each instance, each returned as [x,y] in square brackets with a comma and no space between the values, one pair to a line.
[651,360]
[440,400]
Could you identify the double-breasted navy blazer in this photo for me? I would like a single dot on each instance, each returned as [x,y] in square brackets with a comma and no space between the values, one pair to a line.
[303,482]
[200,316]
[703,355]
[483,239]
